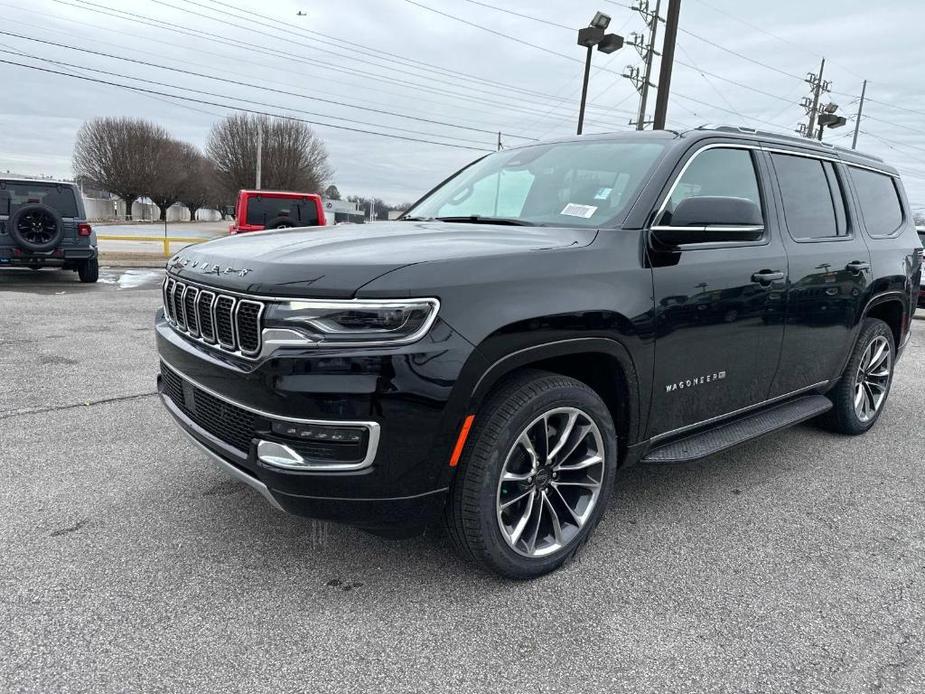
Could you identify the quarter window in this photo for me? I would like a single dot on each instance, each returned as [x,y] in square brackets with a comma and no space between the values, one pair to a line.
[716,172]
[814,204]
[879,200]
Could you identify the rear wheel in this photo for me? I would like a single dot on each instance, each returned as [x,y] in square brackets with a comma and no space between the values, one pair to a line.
[861,394]
[89,270]
[536,476]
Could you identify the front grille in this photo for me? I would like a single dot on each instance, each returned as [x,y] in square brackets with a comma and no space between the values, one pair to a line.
[233,425]
[214,318]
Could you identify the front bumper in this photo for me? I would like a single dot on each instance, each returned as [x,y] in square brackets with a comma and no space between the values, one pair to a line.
[397,397]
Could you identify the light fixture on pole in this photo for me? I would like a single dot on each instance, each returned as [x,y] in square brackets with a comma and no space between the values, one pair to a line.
[589,37]
[828,119]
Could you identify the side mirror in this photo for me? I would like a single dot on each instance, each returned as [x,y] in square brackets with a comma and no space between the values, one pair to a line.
[710,219]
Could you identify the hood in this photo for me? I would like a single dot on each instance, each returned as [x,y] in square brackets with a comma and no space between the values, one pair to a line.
[334,262]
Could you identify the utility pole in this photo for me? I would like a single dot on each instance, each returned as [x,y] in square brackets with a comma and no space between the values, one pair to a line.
[646,48]
[857,122]
[259,151]
[499,140]
[819,86]
[664,75]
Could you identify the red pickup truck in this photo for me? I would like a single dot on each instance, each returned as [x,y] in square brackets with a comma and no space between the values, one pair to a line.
[257,210]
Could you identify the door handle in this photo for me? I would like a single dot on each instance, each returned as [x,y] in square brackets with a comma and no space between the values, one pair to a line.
[857,266]
[767,276]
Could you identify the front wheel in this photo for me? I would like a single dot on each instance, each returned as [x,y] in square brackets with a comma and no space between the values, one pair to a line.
[536,475]
[860,395]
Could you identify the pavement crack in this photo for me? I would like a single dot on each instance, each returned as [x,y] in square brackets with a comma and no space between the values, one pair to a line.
[72,529]
[90,403]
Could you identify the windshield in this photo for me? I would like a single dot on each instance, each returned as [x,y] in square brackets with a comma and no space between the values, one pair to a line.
[563,184]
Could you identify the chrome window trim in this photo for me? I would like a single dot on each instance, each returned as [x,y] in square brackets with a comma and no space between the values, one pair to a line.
[716,227]
[758,148]
[372,428]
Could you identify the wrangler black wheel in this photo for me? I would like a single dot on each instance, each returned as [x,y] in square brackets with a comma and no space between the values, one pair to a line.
[36,228]
[89,270]
[535,477]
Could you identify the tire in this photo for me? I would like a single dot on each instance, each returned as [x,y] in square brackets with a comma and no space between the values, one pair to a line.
[872,367]
[89,270]
[36,227]
[478,527]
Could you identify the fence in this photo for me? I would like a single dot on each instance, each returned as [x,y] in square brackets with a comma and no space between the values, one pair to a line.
[111,210]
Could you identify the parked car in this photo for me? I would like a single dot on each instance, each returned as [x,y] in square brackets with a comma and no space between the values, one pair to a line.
[547,315]
[44,224]
[257,210]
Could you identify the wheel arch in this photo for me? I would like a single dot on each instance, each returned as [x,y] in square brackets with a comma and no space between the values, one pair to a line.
[604,364]
[892,309]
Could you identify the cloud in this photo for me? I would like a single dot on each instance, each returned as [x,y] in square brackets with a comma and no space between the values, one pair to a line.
[523,91]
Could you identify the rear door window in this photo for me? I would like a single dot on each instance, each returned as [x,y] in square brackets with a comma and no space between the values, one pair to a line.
[15,194]
[814,205]
[879,199]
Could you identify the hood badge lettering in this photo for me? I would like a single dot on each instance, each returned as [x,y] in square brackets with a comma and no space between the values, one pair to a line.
[181,262]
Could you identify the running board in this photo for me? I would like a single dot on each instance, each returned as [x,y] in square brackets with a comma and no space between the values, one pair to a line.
[740,430]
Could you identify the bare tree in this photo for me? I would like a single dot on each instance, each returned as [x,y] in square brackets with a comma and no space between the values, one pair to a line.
[120,155]
[172,176]
[199,185]
[331,192]
[293,157]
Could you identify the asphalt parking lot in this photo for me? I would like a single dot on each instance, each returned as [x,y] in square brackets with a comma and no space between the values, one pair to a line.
[792,564]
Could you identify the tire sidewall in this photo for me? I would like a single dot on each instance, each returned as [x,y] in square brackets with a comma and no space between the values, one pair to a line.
[872,328]
[36,247]
[500,554]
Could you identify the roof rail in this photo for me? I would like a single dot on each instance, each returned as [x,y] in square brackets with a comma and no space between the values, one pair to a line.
[787,138]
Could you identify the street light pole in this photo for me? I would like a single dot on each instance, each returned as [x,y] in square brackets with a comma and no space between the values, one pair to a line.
[584,91]
[259,151]
[589,37]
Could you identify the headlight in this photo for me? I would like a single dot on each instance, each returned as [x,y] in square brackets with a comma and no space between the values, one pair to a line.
[373,321]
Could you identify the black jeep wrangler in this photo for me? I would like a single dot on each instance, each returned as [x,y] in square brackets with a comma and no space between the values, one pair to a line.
[542,318]
[43,224]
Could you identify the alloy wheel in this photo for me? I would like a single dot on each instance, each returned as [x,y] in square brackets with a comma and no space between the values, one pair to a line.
[37,227]
[873,378]
[550,482]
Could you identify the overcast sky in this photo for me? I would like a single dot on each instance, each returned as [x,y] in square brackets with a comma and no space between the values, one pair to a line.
[423,64]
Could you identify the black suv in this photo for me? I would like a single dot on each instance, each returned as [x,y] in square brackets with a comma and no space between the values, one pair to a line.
[43,224]
[545,316]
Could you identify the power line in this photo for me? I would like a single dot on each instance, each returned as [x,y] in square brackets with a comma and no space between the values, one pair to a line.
[351,48]
[250,85]
[518,14]
[238,108]
[135,18]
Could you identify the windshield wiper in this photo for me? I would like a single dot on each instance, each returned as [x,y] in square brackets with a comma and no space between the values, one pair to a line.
[416,219]
[478,219]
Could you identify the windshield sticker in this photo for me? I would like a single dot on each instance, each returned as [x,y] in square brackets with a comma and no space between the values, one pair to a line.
[603,194]
[575,210]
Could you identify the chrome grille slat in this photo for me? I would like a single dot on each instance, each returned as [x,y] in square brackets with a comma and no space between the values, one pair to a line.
[189,309]
[204,315]
[219,320]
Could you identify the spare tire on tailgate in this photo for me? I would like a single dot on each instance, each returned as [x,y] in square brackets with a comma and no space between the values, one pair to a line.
[36,227]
